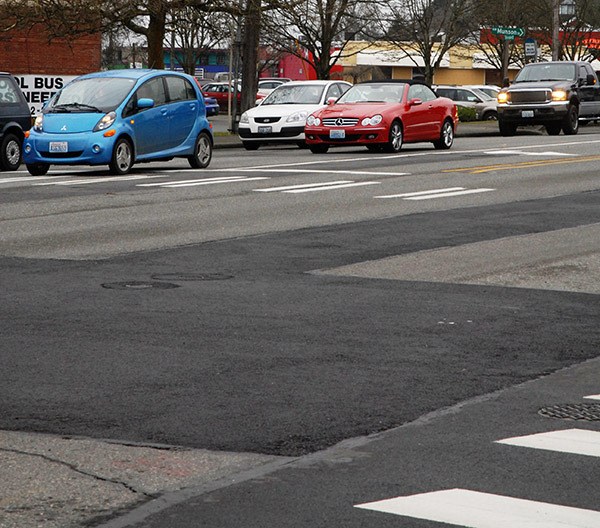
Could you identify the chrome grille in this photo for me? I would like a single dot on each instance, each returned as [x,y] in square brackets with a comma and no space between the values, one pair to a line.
[340,121]
[530,96]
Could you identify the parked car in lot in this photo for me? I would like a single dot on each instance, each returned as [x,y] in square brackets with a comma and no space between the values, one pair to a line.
[15,120]
[490,89]
[267,84]
[118,118]
[485,106]
[212,106]
[281,116]
[221,92]
[382,116]
[557,95]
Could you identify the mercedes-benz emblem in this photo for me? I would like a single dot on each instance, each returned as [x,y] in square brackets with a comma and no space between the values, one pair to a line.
[339,121]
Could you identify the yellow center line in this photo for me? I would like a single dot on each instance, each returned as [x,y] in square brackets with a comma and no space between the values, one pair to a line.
[523,164]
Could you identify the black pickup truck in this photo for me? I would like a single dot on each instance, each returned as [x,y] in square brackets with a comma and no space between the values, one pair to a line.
[557,95]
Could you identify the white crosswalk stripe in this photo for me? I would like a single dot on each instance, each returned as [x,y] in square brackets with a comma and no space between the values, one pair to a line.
[578,441]
[203,181]
[474,509]
[436,193]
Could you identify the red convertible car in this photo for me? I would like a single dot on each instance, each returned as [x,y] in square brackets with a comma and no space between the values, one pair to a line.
[382,115]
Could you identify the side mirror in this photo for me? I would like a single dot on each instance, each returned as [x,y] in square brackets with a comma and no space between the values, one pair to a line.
[415,102]
[330,100]
[590,79]
[145,102]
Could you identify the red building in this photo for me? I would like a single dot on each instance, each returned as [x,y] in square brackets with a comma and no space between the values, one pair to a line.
[31,52]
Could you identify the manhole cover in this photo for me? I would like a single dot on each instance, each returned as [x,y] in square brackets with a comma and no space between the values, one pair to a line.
[192,276]
[573,411]
[139,285]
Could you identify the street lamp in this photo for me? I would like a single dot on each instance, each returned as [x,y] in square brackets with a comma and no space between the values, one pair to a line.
[564,8]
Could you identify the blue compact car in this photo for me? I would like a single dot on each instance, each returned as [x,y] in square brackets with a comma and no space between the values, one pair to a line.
[121,117]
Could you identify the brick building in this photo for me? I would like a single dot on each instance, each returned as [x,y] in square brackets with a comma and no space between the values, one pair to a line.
[31,52]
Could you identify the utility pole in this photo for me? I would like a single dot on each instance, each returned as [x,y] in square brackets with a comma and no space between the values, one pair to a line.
[555,29]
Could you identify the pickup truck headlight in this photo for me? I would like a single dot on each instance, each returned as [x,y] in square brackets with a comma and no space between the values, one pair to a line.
[502,97]
[559,95]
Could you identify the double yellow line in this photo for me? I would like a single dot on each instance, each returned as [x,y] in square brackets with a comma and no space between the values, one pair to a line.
[524,164]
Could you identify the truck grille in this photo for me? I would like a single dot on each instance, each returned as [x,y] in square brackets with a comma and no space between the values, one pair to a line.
[530,96]
[340,121]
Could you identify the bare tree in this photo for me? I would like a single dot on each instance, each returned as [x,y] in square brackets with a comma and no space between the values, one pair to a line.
[318,31]
[425,30]
[193,33]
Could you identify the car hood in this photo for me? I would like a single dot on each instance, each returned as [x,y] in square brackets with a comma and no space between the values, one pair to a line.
[65,123]
[355,109]
[540,85]
[281,110]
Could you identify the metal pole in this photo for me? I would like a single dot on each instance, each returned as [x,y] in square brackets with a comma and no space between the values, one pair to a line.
[555,29]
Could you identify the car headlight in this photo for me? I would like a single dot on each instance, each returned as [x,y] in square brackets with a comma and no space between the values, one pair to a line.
[313,121]
[375,120]
[502,97]
[296,117]
[245,118]
[559,95]
[106,121]
[38,124]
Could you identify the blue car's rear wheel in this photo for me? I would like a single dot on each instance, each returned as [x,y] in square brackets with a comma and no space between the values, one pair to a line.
[202,152]
[122,158]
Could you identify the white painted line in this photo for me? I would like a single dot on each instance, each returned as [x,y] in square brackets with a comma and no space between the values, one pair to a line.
[333,187]
[324,171]
[448,194]
[592,397]
[195,184]
[421,193]
[474,509]
[216,180]
[101,180]
[301,186]
[577,441]
[28,178]
[520,152]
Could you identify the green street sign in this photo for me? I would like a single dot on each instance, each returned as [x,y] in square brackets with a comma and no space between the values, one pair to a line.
[509,33]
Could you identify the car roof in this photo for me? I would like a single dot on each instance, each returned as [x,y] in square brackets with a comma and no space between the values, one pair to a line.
[394,81]
[131,73]
[321,82]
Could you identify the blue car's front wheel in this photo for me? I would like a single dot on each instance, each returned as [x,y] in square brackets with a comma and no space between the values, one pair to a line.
[122,158]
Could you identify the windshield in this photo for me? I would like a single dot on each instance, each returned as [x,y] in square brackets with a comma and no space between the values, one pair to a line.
[546,72]
[298,94]
[484,96]
[373,93]
[100,95]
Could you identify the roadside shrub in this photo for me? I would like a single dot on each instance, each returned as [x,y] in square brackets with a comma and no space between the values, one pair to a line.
[466,114]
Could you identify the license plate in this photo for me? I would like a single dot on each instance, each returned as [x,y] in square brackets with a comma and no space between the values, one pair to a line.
[265,130]
[337,134]
[59,146]
[527,113]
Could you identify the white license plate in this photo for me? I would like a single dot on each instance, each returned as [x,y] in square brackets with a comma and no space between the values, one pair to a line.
[527,113]
[265,130]
[59,146]
[337,134]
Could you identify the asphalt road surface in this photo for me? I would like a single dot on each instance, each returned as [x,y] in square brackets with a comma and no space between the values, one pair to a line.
[373,323]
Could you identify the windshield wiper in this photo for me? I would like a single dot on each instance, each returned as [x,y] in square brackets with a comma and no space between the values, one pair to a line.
[68,107]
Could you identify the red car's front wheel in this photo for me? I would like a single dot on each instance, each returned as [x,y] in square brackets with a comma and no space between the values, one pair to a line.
[395,136]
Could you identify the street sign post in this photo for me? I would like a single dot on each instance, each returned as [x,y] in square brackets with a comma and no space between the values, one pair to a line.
[509,33]
[530,47]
